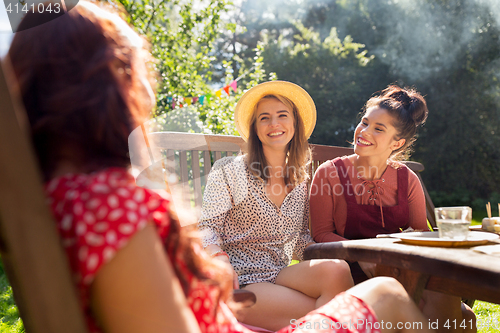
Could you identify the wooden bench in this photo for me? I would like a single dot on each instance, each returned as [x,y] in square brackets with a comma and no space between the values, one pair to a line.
[185,155]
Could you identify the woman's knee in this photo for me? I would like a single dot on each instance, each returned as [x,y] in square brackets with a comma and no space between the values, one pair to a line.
[333,272]
[386,296]
[385,286]
[468,315]
[331,267]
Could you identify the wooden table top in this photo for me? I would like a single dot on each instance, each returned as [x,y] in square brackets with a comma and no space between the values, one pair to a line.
[457,271]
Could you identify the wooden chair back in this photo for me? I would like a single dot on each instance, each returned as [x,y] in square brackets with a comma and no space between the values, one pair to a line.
[429,206]
[190,157]
[186,155]
[31,252]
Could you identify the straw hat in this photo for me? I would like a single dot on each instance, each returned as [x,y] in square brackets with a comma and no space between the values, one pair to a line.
[300,97]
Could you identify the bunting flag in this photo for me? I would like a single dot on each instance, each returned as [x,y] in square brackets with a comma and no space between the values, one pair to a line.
[178,101]
[233,85]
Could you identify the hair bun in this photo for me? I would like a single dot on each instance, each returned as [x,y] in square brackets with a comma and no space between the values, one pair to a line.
[413,102]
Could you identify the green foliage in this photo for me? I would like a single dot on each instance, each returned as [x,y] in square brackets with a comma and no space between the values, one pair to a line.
[487,317]
[334,71]
[465,197]
[448,50]
[218,115]
[10,322]
[182,36]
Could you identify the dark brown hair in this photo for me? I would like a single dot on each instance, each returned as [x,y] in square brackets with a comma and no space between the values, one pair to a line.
[408,109]
[80,80]
[298,151]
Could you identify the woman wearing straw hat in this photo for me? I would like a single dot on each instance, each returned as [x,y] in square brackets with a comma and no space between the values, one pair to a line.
[255,212]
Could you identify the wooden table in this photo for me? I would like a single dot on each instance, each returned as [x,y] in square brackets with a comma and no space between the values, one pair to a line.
[455,271]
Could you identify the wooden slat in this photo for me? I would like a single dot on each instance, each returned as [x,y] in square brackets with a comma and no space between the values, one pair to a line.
[414,166]
[192,141]
[218,156]
[183,168]
[195,161]
[170,162]
[429,205]
[34,260]
[207,163]
[324,153]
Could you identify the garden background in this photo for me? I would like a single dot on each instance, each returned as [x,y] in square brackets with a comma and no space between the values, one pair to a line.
[208,52]
[342,52]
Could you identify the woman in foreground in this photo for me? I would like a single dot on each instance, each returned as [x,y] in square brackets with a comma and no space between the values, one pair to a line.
[370,193]
[83,82]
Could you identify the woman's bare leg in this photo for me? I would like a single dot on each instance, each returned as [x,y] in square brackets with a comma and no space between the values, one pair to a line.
[298,289]
[276,306]
[470,318]
[391,304]
[447,313]
[319,279]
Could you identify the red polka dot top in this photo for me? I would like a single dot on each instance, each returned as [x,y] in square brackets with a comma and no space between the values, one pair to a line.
[97,214]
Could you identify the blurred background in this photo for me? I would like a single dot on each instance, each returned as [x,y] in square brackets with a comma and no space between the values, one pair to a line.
[209,52]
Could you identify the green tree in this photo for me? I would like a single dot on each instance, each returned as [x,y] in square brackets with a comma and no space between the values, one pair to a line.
[182,36]
[335,72]
[448,50]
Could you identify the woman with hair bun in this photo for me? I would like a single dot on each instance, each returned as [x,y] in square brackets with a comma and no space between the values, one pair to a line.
[356,196]
[370,192]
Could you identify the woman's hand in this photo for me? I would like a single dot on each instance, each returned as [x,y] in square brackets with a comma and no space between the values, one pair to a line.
[230,268]
[217,253]
[368,268]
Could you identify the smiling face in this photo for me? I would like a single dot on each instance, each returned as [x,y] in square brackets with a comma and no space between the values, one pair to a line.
[375,135]
[274,124]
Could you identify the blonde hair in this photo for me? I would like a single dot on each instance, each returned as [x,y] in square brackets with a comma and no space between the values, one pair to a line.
[298,152]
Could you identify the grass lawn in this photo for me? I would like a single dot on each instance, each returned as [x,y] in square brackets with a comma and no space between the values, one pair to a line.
[9,316]
[488,315]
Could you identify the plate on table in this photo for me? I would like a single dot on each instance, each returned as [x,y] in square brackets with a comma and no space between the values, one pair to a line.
[431,238]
